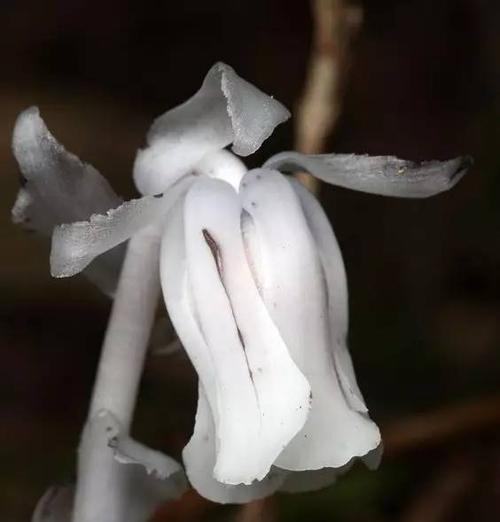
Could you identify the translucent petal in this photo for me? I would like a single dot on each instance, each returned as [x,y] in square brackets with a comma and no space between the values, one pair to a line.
[148,492]
[290,276]
[384,175]
[75,245]
[258,397]
[156,464]
[146,478]
[59,188]
[336,283]
[226,109]
[28,211]
[199,459]
[67,189]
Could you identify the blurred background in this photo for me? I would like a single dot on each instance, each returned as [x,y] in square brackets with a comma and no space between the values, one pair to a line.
[422,82]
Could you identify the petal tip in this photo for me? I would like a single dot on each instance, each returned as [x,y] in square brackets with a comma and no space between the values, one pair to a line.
[464,164]
[29,127]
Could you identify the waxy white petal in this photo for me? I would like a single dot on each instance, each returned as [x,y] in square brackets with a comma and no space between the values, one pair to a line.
[59,188]
[199,459]
[384,175]
[67,189]
[337,295]
[155,463]
[292,285]
[258,397]
[227,109]
[75,245]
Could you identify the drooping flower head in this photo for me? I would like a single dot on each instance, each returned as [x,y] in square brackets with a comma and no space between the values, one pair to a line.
[251,273]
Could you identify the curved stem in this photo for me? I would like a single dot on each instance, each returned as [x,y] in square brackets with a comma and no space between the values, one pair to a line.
[102,493]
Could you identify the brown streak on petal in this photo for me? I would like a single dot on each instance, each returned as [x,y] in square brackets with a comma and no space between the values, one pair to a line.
[215,250]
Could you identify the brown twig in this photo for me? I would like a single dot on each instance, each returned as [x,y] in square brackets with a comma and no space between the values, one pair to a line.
[257,511]
[440,498]
[440,426]
[336,22]
[191,507]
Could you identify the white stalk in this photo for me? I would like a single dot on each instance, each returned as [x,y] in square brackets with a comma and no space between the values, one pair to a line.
[102,491]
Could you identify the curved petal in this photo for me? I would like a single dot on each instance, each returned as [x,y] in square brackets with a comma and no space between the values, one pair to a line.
[155,464]
[336,283]
[259,399]
[56,180]
[226,109]
[58,188]
[199,459]
[152,478]
[223,165]
[291,279]
[384,175]
[75,245]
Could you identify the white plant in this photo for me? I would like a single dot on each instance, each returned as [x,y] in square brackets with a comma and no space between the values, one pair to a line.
[253,281]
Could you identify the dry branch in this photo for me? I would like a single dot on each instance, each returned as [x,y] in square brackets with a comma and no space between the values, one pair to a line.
[336,22]
[441,426]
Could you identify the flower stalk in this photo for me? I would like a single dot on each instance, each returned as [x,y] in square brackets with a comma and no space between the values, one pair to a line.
[101,489]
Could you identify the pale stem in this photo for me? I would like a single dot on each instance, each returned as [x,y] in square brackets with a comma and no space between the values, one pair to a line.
[102,493]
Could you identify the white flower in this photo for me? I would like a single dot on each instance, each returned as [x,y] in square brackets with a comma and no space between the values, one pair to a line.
[252,277]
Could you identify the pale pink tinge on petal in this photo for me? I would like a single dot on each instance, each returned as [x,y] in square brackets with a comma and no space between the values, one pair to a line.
[258,397]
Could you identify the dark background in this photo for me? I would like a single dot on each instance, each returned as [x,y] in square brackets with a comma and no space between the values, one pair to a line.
[424,275]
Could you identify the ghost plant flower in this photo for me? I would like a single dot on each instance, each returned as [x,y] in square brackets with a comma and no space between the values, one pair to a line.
[253,281]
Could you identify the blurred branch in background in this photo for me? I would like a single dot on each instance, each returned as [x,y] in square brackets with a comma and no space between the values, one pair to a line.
[257,511]
[441,426]
[191,507]
[336,23]
[439,499]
